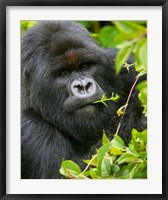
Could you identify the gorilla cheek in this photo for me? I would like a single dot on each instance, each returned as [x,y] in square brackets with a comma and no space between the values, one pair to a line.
[44,98]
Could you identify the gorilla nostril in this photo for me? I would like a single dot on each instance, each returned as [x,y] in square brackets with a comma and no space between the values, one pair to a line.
[89,87]
[79,88]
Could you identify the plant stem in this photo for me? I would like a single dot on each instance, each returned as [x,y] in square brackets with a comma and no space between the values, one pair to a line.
[87,165]
[126,105]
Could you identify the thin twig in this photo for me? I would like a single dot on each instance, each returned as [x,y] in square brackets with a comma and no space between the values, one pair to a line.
[126,105]
[87,166]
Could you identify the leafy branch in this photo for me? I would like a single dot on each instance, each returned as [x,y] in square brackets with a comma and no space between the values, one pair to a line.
[114,97]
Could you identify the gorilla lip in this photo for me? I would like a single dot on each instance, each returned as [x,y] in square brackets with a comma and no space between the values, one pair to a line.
[88,108]
[89,104]
[79,104]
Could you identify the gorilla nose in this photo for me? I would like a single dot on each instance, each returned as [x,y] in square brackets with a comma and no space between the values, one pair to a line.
[83,87]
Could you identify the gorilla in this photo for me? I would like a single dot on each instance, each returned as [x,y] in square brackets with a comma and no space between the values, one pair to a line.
[63,71]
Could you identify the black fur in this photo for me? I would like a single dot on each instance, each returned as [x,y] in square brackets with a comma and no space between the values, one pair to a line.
[56,124]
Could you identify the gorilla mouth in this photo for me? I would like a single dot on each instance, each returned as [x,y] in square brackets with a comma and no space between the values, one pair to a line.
[87,105]
[88,109]
[74,104]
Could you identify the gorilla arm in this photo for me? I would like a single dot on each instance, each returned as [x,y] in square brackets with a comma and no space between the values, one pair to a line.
[43,148]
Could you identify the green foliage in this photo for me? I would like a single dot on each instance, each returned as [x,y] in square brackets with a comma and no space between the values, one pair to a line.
[141,55]
[86,24]
[26,25]
[106,36]
[129,29]
[131,38]
[122,57]
[114,160]
[70,169]
[142,87]
[127,36]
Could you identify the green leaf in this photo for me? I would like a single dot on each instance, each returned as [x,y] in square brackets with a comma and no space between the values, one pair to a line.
[141,135]
[132,172]
[115,168]
[95,36]
[105,167]
[115,97]
[118,142]
[107,35]
[101,154]
[27,24]
[124,171]
[86,24]
[117,145]
[70,169]
[141,170]
[143,99]
[103,150]
[127,157]
[116,151]
[130,29]
[105,140]
[141,55]
[132,149]
[138,145]
[139,141]
[93,173]
[120,38]
[122,57]
[140,22]
[142,87]
[143,155]
[124,44]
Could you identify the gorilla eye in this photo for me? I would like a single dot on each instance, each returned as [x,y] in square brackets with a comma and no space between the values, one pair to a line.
[60,73]
[63,73]
[85,65]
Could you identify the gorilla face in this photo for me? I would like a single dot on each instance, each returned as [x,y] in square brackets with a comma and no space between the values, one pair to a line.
[64,72]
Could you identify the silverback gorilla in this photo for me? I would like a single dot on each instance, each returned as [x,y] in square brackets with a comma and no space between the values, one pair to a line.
[63,72]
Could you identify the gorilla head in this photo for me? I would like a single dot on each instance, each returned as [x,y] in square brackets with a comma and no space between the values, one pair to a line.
[63,72]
